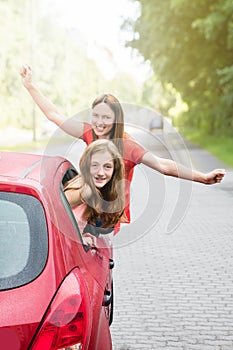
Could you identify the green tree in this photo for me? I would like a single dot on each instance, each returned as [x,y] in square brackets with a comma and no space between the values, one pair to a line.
[13,38]
[190,45]
[61,68]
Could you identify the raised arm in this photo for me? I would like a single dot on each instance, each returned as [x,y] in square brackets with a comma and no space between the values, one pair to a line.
[70,126]
[170,168]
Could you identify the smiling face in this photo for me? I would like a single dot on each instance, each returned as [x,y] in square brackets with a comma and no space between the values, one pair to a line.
[102,120]
[101,168]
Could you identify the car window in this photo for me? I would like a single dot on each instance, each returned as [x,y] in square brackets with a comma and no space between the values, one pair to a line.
[23,239]
[14,238]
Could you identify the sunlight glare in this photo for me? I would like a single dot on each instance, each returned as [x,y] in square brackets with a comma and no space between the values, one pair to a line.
[99,24]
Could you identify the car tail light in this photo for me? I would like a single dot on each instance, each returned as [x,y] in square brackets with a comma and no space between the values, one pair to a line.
[66,322]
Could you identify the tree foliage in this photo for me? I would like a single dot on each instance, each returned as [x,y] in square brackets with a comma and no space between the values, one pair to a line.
[61,67]
[190,45]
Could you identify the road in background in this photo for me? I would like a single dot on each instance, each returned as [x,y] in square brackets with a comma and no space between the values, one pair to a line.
[173,280]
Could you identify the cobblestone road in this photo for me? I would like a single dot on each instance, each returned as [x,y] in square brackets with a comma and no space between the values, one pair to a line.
[175,291]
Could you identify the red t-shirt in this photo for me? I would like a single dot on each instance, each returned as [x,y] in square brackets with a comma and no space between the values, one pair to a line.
[133,154]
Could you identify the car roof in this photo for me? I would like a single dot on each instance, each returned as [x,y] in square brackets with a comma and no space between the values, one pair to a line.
[25,165]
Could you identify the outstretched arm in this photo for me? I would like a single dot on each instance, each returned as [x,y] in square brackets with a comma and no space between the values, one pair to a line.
[70,126]
[170,168]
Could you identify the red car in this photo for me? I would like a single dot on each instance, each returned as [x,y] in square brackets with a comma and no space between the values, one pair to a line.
[55,292]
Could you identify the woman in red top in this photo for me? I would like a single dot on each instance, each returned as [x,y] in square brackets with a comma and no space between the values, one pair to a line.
[107,122]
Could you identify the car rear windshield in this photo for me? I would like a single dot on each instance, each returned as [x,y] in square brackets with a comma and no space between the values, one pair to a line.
[23,239]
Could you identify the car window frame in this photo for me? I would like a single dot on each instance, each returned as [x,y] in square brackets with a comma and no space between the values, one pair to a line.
[70,174]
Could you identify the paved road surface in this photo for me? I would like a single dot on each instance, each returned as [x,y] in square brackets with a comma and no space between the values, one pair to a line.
[174,287]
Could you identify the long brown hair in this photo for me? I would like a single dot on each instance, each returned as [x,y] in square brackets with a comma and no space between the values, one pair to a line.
[108,202]
[117,131]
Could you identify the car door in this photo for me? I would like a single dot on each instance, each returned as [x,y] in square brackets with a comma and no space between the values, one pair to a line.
[96,267]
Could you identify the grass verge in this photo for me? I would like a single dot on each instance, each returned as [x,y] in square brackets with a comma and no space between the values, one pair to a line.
[25,146]
[34,145]
[219,146]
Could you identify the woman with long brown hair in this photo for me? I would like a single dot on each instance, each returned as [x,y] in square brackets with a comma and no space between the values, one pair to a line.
[96,195]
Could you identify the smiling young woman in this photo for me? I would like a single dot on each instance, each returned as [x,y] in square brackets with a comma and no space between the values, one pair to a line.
[97,194]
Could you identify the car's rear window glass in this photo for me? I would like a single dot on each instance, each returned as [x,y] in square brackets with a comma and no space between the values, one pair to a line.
[23,239]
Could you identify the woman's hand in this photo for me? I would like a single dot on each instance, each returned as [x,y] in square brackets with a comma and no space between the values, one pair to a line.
[214,176]
[89,240]
[71,126]
[26,74]
[171,168]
